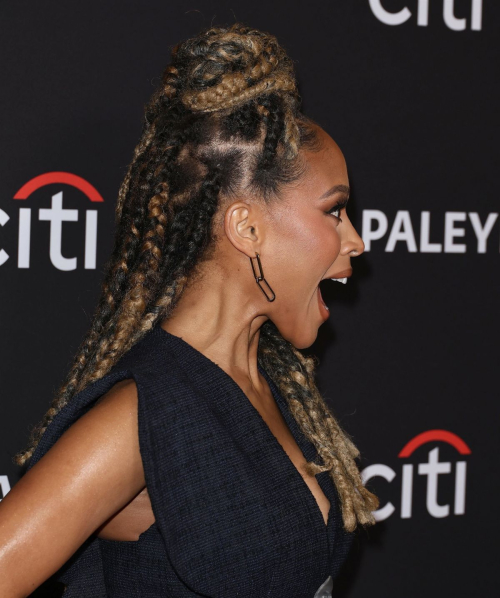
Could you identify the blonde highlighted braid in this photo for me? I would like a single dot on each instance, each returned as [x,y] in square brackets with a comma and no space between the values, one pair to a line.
[225,118]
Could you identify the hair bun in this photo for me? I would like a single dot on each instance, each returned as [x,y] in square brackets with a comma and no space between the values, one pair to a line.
[224,67]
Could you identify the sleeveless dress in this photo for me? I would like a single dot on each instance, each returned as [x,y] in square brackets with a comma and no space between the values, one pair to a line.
[233,516]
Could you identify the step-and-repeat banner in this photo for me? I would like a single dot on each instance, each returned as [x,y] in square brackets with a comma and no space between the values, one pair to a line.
[409,357]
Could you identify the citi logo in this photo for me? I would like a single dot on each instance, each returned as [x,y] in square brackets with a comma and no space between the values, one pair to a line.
[432,469]
[56,215]
[449,230]
[451,21]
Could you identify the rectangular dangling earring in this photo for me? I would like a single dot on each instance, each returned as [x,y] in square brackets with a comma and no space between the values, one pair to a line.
[260,278]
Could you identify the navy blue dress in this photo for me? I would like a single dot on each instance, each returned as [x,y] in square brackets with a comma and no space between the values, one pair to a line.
[234,517]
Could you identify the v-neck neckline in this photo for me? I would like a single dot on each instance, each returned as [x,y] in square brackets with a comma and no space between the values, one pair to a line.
[295,432]
[306,447]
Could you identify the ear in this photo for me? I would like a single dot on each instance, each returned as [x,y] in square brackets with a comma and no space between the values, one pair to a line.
[243,227]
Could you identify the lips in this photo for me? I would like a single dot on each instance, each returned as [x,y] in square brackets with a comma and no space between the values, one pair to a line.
[340,276]
[347,273]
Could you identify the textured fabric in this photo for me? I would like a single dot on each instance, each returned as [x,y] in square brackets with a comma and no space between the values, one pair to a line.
[233,515]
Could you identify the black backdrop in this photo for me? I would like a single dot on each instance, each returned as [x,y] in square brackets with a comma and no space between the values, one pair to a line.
[409,90]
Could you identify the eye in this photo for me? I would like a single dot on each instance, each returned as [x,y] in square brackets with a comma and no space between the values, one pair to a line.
[337,208]
[335,212]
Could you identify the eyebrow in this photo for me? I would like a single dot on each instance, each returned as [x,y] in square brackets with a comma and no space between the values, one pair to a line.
[336,189]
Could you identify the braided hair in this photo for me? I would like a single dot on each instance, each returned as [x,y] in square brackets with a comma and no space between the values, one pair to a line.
[225,117]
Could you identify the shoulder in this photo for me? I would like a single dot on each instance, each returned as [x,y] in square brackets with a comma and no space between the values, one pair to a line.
[96,468]
[121,396]
[105,438]
[98,457]
[132,384]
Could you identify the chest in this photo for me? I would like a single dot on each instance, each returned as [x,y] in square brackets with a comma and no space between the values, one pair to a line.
[273,417]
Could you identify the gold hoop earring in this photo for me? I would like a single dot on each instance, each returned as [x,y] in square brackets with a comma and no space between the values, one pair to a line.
[260,277]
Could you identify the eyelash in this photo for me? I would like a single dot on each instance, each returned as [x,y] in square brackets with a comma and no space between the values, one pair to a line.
[337,207]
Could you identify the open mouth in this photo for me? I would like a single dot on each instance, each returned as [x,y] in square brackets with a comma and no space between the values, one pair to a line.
[321,302]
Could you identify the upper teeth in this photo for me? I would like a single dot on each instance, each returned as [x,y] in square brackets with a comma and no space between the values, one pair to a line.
[342,280]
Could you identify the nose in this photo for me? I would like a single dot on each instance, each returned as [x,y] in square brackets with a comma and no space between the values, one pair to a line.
[351,243]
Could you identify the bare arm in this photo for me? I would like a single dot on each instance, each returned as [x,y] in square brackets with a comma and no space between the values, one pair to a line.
[91,472]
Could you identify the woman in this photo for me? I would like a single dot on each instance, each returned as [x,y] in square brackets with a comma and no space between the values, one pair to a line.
[189,452]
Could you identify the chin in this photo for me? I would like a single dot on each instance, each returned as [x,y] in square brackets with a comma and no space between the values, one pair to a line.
[301,340]
[306,344]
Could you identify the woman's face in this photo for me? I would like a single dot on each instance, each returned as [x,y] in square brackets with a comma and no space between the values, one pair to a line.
[309,239]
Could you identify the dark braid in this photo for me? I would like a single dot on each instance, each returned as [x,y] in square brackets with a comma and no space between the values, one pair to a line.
[225,119]
[274,120]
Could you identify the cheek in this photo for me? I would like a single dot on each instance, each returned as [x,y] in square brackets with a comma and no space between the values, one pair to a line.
[319,242]
[308,247]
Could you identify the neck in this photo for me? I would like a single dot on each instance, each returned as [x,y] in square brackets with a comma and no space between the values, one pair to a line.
[220,318]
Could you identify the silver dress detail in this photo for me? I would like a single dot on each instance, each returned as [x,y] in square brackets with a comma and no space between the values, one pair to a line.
[325,589]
